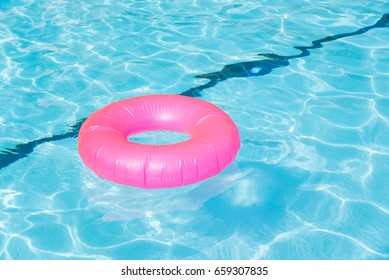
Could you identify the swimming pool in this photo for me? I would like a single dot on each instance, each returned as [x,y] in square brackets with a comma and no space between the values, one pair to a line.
[309,182]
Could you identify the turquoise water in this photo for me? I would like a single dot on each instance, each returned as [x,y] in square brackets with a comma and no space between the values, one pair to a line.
[310,180]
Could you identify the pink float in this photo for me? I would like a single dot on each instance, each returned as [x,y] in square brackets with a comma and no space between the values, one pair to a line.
[104,146]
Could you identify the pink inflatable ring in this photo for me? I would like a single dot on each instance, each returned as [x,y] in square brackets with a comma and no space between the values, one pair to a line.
[104,146]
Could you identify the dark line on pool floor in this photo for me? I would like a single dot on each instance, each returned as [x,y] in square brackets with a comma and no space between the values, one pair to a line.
[237,70]
[265,66]
[20,151]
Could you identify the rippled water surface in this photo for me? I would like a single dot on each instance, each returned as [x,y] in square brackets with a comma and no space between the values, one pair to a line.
[310,180]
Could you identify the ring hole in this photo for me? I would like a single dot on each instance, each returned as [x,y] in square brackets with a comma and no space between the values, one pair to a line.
[159,137]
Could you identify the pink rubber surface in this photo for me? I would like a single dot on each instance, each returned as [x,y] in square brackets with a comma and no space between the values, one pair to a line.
[104,148]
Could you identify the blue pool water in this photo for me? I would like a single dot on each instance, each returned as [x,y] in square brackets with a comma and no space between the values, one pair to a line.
[310,180]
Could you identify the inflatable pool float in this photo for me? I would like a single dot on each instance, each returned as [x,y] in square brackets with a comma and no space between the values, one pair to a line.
[104,146]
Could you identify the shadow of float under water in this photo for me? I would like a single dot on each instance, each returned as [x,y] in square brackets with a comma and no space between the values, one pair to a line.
[127,203]
[243,184]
